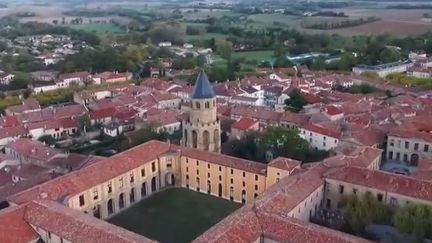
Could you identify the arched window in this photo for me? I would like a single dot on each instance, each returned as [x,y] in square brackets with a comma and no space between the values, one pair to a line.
[121,201]
[110,207]
[132,195]
[198,105]
[194,139]
[208,187]
[216,139]
[231,193]
[153,184]
[207,105]
[144,189]
[206,140]
[243,196]
[198,184]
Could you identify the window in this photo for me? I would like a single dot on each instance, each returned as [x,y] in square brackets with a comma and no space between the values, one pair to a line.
[169,162]
[208,166]
[231,193]
[109,187]
[324,144]
[393,201]
[406,144]
[232,180]
[81,200]
[256,187]
[244,174]
[220,177]
[131,177]
[142,172]
[49,235]
[197,163]
[95,194]
[380,197]
[256,177]
[416,146]
[220,168]
[426,148]
[232,171]
[187,169]
[197,172]
[207,105]
[354,191]
[244,184]
[198,105]
[324,138]
[121,182]
[391,142]
[208,175]
[153,167]
[341,189]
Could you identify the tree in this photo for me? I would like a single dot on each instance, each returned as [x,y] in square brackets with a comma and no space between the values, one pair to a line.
[191,30]
[389,55]
[47,139]
[20,81]
[224,48]
[360,212]
[296,102]
[414,219]
[84,123]
[141,136]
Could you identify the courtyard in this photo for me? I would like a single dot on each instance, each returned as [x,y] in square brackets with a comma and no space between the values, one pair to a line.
[174,215]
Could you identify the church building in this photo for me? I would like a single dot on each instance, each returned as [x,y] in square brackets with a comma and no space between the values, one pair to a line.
[201,130]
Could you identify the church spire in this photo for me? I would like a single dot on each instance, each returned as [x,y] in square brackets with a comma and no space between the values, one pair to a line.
[203,89]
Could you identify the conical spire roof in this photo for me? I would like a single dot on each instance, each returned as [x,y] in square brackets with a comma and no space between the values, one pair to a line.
[203,89]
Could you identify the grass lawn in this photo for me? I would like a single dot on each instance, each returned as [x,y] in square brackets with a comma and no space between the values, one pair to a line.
[98,28]
[257,56]
[174,215]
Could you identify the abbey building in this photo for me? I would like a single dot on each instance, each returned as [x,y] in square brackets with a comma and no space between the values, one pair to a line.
[201,129]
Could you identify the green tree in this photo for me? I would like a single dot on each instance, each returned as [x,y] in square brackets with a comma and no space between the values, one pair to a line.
[414,219]
[359,212]
[20,81]
[296,102]
[224,48]
[141,136]
[47,139]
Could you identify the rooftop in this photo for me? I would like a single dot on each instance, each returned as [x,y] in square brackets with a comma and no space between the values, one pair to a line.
[203,88]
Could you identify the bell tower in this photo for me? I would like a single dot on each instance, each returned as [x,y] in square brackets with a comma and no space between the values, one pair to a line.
[201,129]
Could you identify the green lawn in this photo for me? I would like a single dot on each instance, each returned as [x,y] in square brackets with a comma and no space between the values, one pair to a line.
[98,28]
[253,55]
[174,215]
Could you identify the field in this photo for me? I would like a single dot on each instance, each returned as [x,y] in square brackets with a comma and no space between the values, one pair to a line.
[174,215]
[99,28]
[256,56]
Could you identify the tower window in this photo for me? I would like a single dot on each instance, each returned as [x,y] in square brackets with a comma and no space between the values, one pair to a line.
[207,105]
[197,104]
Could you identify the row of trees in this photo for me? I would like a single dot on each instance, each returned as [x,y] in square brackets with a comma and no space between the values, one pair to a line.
[275,142]
[413,219]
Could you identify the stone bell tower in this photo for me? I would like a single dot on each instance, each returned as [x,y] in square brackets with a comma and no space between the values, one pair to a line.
[201,129]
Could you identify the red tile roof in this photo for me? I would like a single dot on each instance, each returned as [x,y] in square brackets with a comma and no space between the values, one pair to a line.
[284,163]
[94,174]
[33,149]
[385,181]
[102,113]
[14,229]
[225,160]
[243,124]
[75,226]
[12,132]
[317,128]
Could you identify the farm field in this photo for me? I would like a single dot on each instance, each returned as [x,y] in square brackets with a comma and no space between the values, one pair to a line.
[99,28]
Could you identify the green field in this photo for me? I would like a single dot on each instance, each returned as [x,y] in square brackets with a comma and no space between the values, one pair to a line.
[257,56]
[98,28]
[174,215]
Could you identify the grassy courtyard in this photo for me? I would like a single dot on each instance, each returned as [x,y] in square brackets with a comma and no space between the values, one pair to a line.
[174,215]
